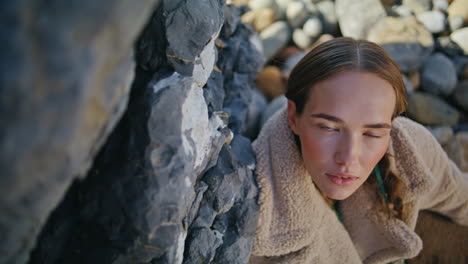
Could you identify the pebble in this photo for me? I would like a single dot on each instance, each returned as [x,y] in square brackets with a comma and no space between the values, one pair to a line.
[272,108]
[313,27]
[270,82]
[301,39]
[260,18]
[408,84]
[457,150]
[259,4]
[460,95]
[406,40]
[443,134]
[274,38]
[446,45]
[459,8]
[430,110]
[433,20]
[438,75]
[328,16]
[290,62]
[402,11]
[418,6]
[460,37]
[440,5]
[455,23]
[296,14]
[354,25]
[415,79]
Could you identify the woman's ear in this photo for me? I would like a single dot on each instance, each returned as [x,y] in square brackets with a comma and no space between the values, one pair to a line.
[292,117]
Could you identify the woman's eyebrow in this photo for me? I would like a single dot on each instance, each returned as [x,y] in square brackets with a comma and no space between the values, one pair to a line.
[338,120]
[327,117]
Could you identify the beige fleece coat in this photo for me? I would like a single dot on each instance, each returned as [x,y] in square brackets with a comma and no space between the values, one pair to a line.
[297,226]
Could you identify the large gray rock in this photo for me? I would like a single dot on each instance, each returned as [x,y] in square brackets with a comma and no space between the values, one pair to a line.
[173,182]
[438,75]
[274,38]
[430,110]
[406,40]
[65,77]
[358,26]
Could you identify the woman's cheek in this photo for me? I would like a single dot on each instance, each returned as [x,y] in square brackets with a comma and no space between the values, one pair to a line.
[375,152]
[316,148]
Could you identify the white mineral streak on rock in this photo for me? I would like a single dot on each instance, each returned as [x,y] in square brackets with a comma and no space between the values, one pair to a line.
[195,127]
[205,62]
[179,257]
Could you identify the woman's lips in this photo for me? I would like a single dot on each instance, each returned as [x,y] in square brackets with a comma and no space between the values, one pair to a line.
[341,179]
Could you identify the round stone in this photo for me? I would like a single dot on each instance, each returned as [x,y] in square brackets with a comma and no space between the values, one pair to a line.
[461,95]
[357,26]
[438,75]
[313,27]
[406,40]
[430,110]
[274,38]
[433,20]
[301,39]
[296,14]
[460,37]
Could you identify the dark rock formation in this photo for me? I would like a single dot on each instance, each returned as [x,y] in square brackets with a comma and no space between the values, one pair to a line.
[65,79]
[174,182]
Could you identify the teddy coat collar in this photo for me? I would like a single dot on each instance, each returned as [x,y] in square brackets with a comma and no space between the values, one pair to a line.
[297,226]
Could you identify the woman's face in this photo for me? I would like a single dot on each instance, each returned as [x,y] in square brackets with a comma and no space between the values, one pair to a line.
[344,130]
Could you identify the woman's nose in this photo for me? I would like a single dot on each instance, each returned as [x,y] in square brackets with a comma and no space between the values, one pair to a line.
[348,151]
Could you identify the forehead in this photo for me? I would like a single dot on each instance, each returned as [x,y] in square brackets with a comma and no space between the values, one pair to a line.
[353,95]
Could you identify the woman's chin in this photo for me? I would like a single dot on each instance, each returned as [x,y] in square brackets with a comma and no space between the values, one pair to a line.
[337,193]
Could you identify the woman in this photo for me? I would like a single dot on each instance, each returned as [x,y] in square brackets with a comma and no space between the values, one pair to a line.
[341,177]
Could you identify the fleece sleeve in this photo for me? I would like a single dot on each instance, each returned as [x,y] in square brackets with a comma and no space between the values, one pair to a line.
[449,192]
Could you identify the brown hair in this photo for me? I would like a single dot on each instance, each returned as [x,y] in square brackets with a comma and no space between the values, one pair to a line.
[344,54]
[347,54]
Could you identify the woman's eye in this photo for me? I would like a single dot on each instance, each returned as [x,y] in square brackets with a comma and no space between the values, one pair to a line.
[372,135]
[327,128]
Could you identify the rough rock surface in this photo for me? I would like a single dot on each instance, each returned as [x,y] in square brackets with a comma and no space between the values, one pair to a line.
[174,182]
[65,77]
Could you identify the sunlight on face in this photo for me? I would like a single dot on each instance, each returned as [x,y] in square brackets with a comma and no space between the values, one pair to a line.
[344,130]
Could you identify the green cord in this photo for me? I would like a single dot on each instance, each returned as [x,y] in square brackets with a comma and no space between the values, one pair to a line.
[382,188]
[338,214]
